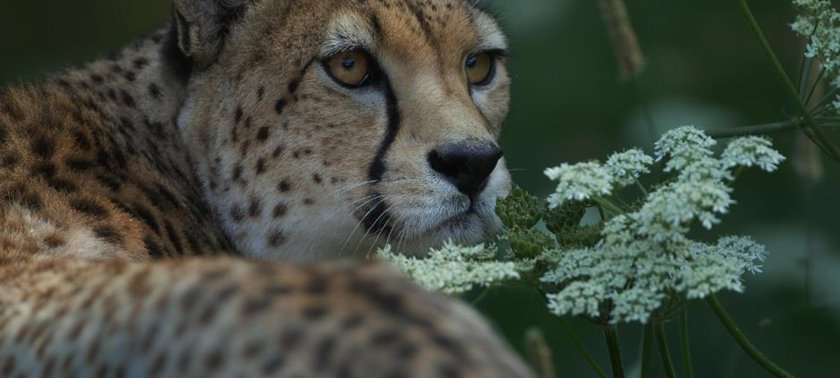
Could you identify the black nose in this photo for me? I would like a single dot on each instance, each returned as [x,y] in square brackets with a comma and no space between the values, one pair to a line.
[466,165]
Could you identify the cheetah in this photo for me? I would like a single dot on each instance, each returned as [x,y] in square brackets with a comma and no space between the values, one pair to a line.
[203,202]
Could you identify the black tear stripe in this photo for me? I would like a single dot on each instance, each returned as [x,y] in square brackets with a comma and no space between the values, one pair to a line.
[378,218]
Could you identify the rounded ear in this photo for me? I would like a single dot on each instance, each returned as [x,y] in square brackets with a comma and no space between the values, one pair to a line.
[203,25]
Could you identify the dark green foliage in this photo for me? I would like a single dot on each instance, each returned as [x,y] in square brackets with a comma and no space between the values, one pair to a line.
[519,209]
[526,243]
[564,217]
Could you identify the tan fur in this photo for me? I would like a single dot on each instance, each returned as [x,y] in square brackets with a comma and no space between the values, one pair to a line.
[223,134]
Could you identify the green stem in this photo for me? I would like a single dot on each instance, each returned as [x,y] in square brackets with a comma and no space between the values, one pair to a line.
[582,349]
[647,350]
[662,344]
[745,344]
[686,347]
[755,130]
[819,136]
[641,187]
[608,205]
[814,87]
[481,296]
[611,337]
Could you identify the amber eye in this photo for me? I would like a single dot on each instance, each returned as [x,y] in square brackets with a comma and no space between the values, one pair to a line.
[351,68]
[479,68]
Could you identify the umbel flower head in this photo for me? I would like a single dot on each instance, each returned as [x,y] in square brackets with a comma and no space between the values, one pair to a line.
[579,182]
[644,256]
[819,23]
[454,269]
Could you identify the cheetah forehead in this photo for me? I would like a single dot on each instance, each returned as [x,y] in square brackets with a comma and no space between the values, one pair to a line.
[364,28]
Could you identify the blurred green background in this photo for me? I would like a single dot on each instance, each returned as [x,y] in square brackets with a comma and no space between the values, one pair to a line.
[704,68]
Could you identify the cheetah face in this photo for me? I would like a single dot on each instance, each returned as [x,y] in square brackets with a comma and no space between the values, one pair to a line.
[324,129]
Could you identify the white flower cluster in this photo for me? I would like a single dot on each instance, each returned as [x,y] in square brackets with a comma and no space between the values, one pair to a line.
[752,151]
[645,256]
[819,22]
[626,167]
[454,269]
[579,182]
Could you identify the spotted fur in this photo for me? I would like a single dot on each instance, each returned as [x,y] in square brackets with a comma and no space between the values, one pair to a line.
[222,134]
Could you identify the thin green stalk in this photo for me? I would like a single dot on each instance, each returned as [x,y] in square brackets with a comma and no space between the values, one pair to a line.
[647,350]
[582,349]
[611,337]
[806,75]
[745,344]
[481,296]
[641,187]
[814,87]
[819,136]
[608,205]
[755,130]
[662,344]
[686,346]
[825,101]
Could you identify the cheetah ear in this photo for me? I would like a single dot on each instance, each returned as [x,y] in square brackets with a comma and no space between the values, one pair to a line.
[203,25]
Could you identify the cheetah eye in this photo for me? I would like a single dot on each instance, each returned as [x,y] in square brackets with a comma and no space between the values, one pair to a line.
[480,68]
[351,68]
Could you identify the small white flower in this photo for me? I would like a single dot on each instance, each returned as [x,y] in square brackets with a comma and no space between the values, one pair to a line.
[579,182]
[752,151]
[626,167]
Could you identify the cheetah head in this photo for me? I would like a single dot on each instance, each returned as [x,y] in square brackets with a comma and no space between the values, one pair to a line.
[326,128]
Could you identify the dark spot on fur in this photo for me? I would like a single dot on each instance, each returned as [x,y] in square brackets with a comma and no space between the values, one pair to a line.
[10,160]
[173,236]
[280,105]
[272,366]
[238,115]
[43,147]
[255,209]
[154,91]
[237,213]
[314,313]
[260,168]
[108,234]
[147,217]
[152,248]
[284,186]
[262,134]
[55,241]
[276,239]
[290,339]
[62,185]
[82,141]
[127,99]
[280,210]
[46,170]
[323,355]
[79,164]
[89,207]
[277,152]
[140,63]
